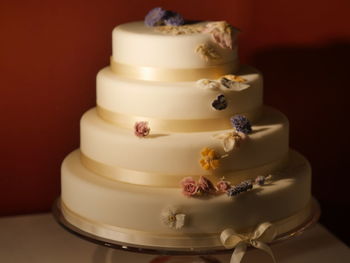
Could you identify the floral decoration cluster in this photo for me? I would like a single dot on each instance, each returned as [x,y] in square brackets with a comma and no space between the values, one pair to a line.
[225,83]
[160,17]
[233,139]
[210,159]
[204,186]
[192,188]
[222,34]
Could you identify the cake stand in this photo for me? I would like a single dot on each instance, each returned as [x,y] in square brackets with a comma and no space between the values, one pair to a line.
[170,255]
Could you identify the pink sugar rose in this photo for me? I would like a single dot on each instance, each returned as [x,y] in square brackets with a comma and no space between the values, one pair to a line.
[141,129]
[189,186]
[223,186]
[205,186]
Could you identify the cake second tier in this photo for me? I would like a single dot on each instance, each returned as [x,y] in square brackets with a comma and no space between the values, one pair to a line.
[179,106]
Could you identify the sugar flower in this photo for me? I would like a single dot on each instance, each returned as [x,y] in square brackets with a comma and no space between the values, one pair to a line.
[209,160]
[173,19]
[155,17]
[205,186]
[261,180]
[221,32]
[223,186]
[208,84]
[141,129]
[241,124]
[189,186]
[207,52]
[159,17]
[230,140]
[219,103]
[233,85]
[234,78]
[172,218]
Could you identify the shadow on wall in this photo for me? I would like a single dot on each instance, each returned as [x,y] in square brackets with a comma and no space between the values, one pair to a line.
[311,86]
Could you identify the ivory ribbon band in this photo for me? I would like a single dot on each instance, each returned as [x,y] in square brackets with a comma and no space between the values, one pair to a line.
[177,240]
[175,74]
[170,180]
[163,125]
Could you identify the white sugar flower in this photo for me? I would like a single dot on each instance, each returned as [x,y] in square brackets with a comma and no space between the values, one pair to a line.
[172,218]
[230,140]
[208,84]
[230,84]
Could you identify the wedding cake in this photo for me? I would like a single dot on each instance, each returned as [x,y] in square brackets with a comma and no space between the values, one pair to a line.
[180,152]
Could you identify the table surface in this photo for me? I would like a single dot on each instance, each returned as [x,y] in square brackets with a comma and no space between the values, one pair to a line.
[39,239]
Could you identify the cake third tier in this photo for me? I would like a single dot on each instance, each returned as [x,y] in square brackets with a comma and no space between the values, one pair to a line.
[163,159]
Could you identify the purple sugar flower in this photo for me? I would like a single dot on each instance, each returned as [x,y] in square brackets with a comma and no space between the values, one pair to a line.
[173,19]
[219,103]
[241,124]
[155,17]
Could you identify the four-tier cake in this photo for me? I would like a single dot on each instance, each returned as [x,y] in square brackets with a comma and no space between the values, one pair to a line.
[180,151]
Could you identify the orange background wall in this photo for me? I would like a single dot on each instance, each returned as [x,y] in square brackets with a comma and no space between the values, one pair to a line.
[50,52]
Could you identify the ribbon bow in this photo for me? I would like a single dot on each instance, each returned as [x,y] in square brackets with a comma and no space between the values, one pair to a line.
[263,234]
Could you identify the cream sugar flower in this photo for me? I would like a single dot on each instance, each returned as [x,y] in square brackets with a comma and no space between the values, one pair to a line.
[226,83]
[233,83]
[208,84]
[171,217]
[221,32]
[230,140]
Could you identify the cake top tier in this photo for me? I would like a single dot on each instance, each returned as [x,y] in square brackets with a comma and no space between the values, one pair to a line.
[174,53]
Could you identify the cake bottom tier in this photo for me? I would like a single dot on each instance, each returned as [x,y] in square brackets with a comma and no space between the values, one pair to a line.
[140,215]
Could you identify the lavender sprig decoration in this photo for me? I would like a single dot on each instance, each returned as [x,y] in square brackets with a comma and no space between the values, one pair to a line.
[240,188]
[241,124]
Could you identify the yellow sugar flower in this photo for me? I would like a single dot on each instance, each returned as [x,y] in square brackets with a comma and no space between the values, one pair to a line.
[234,78]
[209,160]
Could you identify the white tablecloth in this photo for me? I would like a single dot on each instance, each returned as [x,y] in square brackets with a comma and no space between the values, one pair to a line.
[39,239]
